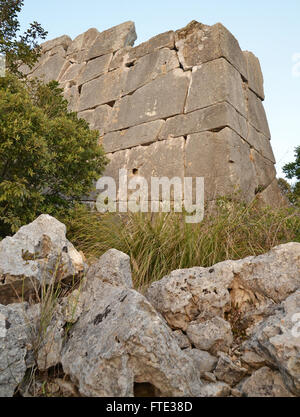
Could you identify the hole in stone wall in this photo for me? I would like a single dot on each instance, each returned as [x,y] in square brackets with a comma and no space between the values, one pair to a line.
[135,171]
[145,389]
[79,89]
[130,64]
[111,103]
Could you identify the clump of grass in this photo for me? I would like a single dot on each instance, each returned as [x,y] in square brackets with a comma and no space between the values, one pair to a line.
[159,243]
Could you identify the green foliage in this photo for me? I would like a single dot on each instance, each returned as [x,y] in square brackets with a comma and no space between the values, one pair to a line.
[19,49]
[292,171]
[48,158]
[160,243]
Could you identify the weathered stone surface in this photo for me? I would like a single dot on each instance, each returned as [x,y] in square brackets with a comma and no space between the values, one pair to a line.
[277,339]
[79,47]
[72,73]
[272,196]
[113,39]
[95,68]
[264,383]
[50,69]
[102,90]
[29,258]
[15,338]
[72,95]
[113,267]
[119,339]
[214,82]
[213,335]
[261,143]
[182,339]
[204,361]
[250,284]
[58,50]
[97,118]
[163,40]
[143,134]
[198,43]
[149,67]
[257,115]
[64,41]
[214,117]
[254,74]
[163,97]
[228,371]
[218,389]
[264,169]
[224,160]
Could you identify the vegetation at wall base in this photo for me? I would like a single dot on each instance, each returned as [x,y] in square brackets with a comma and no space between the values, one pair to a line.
[162,242]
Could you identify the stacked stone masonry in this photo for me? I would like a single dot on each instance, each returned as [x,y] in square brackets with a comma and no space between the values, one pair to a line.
[184,103]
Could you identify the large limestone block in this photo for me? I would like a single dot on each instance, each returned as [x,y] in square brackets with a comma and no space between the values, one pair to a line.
[212,118]
[79,47]
[71,94]
[265,170]
[64,41]
[198,43]
[97,118]
[161,98]
[215,82]
[163,40]
[254,74]
[143,134]
[257,115]
[32,255]
[224,160]
[72,73]
[95,68]
[260,143]
[149,67]
[272,196]
[160,159]
[50,69]
[113,39]
[102,90]
[120,340]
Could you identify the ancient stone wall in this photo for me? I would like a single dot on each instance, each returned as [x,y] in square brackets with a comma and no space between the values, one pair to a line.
[185,103]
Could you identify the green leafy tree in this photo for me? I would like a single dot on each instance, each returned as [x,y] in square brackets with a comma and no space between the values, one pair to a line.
[18,48]
[292,171]
[49,158]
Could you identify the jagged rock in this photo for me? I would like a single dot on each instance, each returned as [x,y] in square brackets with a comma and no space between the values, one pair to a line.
[113,39]
[38,253]
[228,371]
[119,339]
[277,339]
[204,361]
[16,343]
[264,383]
[212,335]
[182,339]
[252,284]
[113,267]
[217,389]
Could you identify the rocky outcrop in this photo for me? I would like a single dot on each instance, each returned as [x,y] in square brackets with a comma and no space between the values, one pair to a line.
[229,330]
[183,104]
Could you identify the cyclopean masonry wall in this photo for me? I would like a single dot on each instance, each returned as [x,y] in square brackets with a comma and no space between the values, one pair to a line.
[185,104]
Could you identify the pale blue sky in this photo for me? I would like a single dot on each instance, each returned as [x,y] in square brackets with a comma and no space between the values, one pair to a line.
[269,28]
